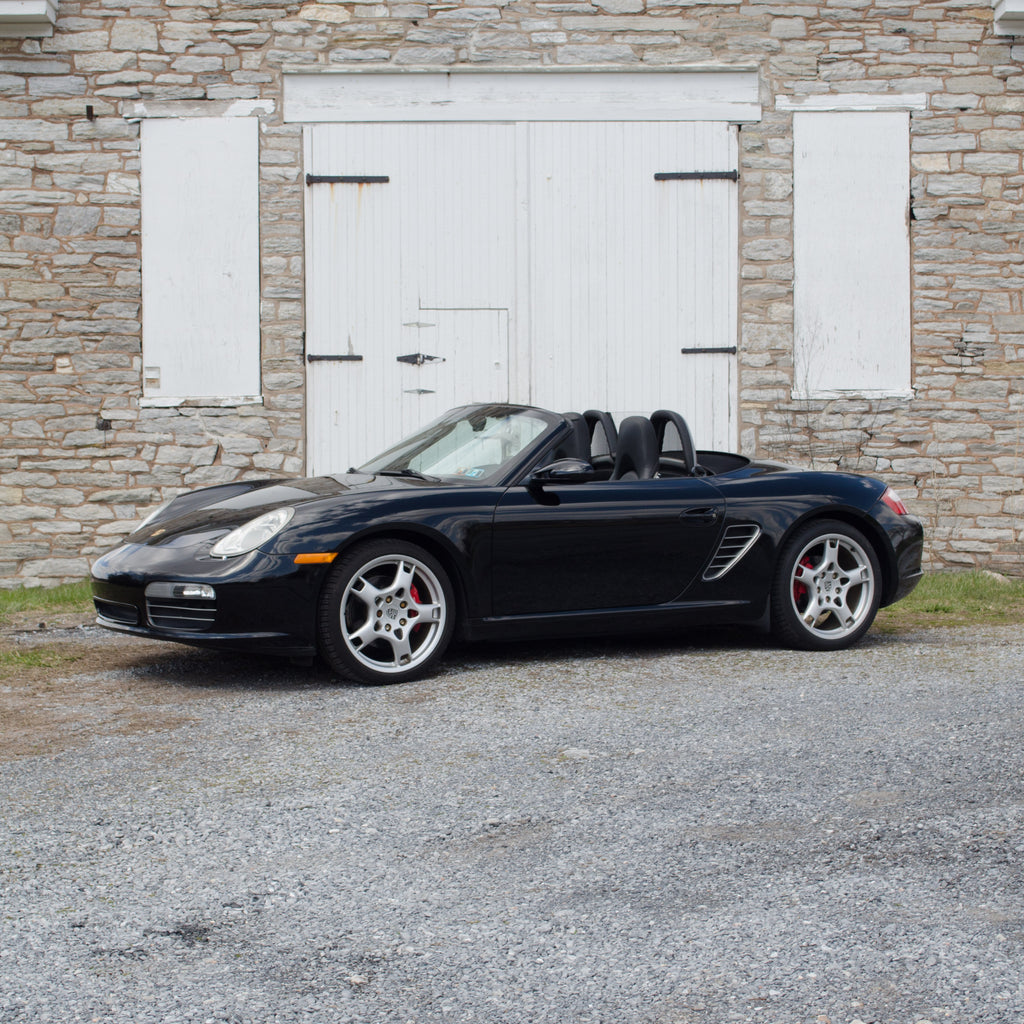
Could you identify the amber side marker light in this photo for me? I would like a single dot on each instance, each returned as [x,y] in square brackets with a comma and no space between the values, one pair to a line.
[316,557]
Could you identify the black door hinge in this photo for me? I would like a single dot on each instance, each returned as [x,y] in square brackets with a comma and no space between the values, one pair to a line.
[347,179]
[697,176]
[418,359]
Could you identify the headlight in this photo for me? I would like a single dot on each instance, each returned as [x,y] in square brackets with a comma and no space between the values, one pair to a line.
[254,533]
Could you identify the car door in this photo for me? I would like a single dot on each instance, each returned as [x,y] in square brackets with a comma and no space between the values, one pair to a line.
[601,545]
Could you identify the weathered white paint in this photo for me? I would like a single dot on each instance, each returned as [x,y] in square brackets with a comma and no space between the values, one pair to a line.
[851,189]
[549,95]
[626,271]
[541,261]
[854,101]
[422,264]
[1009,18]
[197,108]
[21,18]
[200,244]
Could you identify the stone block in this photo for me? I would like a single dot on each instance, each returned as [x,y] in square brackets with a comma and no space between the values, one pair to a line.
[25,513]
[953,184]
[353,55]
[31,130]
[60,569]
[984,85]
[198,65]
[79,42]
[133,34]
[57,496]
[596,53]
[207,476]
[425,55]
[983,391]
[943,143]
[992,163]
[768,249]
[76,220]
[1000,139]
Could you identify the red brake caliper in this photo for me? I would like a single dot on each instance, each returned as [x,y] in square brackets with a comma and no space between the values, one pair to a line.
[415,595]
[800,589]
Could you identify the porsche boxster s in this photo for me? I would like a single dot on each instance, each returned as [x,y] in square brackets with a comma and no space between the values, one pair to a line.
[504,520]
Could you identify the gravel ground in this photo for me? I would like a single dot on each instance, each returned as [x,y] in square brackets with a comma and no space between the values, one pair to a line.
[706,832]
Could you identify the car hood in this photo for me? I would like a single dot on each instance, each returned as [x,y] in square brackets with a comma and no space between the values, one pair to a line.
[214,510]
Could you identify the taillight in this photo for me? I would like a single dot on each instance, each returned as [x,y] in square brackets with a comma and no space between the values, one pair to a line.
[893,500]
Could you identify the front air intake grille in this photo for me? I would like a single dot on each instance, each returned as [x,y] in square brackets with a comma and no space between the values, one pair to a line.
[736,542]
[115,611]
[187,607]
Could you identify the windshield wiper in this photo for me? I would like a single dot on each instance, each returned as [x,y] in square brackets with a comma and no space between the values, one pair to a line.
[411,473]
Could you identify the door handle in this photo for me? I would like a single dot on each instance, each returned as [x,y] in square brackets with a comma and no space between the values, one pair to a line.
[702,514]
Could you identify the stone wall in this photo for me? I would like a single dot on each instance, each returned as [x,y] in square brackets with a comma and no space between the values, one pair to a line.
[81,457]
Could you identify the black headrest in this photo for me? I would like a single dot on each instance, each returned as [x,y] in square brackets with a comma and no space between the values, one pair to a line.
[636,454]
[666,423]
[577,445]
[603,434]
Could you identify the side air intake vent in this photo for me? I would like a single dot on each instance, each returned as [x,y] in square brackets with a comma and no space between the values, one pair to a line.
[116,611]
[736,542]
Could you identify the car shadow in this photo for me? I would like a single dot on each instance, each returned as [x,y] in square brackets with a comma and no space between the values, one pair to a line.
[200,668]
[203,669]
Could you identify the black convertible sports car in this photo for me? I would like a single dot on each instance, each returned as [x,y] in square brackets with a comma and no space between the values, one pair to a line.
[505,520]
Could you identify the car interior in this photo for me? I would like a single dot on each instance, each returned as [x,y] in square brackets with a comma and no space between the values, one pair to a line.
[640,447]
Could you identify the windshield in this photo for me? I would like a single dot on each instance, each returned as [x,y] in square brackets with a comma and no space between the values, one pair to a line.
[475,443]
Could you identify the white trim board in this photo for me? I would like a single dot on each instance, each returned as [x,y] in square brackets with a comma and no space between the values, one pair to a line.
[803,395]
[577,95]
[172,402]
[867,101]
[197,108]
[27,18]
[1009,18]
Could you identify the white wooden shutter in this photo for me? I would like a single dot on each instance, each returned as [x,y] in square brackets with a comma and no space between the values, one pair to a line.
[851,190]
[200,258]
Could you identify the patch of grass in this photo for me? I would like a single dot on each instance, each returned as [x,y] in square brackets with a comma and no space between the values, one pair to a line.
[33,663]
[957,599]
[34,657]
[69,597]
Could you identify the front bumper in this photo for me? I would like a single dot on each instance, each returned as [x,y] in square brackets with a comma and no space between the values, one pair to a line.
[258,602]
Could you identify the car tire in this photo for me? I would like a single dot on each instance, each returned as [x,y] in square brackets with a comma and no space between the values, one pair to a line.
[826,588]
[387,613]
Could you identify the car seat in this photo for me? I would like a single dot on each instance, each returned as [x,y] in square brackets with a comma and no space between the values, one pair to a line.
[636,453]
[667,426]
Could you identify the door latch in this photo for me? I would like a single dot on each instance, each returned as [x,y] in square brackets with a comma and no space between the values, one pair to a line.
[419,358]
[703,514]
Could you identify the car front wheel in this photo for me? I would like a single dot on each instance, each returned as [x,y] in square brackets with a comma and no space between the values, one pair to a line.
[826,588]
[386,614]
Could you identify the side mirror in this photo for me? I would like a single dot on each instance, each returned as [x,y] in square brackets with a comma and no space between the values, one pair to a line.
[564,471]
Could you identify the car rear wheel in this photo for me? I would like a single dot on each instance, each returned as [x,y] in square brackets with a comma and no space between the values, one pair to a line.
[826,588]
[386,614]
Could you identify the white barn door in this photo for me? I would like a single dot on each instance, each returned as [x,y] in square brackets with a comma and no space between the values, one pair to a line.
[568,264]
[410,277]
[633,290]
